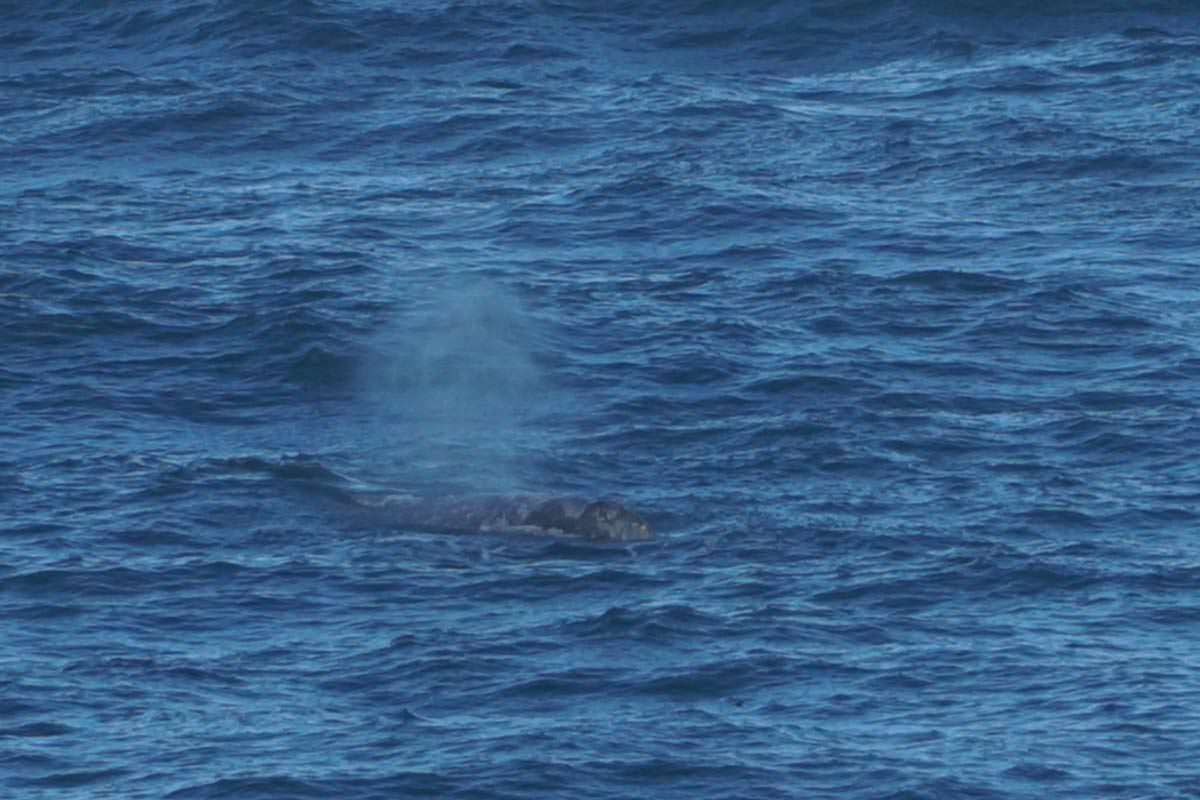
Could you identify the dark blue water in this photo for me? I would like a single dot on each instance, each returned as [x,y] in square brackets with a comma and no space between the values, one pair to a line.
[885,314]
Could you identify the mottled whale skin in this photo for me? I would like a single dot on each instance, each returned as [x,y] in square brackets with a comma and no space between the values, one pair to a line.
[596,521]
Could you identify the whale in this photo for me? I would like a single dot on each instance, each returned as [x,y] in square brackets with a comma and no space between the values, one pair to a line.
[606,520]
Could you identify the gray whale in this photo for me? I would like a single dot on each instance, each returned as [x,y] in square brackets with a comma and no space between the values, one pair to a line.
[596,521]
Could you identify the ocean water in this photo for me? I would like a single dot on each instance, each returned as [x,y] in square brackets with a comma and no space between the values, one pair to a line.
[885,314]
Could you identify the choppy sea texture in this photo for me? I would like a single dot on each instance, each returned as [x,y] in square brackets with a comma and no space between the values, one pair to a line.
[884,314]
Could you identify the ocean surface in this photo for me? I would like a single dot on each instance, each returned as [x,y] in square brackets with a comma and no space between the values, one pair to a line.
[885,314]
